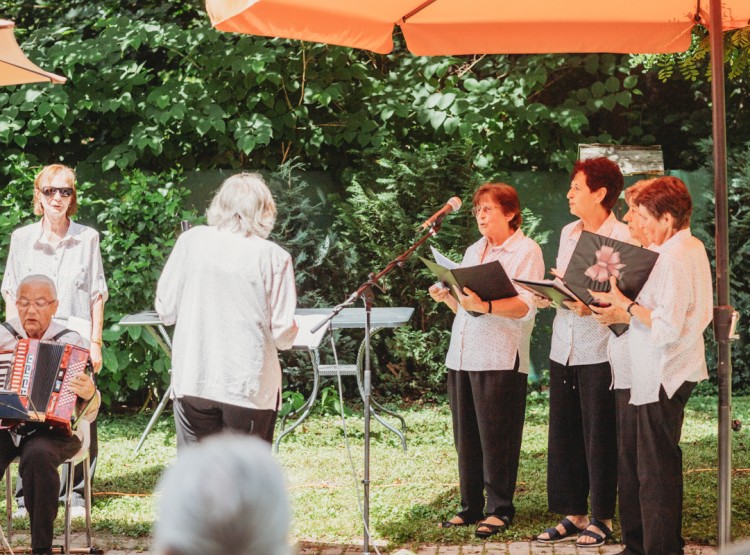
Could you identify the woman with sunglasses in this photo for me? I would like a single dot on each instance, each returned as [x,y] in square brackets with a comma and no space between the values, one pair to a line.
[68,253]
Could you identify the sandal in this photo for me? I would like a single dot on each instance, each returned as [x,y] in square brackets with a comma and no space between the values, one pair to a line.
[555,535]
[599,538]
[492,529]
[449,524]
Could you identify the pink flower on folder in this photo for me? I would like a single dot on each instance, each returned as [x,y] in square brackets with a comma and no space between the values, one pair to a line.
[607,264]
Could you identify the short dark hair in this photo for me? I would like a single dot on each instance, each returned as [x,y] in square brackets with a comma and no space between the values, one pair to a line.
[504,195]
[601,172]
[667,195]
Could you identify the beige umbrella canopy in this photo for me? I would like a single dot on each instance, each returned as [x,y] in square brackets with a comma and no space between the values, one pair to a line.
[15,67]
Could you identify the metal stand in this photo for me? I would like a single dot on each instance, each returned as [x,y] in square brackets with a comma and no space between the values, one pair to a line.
[349,318]
[365,292]
[150,320]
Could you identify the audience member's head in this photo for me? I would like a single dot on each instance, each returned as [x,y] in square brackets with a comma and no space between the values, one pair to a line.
[223,495]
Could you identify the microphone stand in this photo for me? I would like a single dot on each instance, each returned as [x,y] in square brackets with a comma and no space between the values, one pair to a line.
[365,291]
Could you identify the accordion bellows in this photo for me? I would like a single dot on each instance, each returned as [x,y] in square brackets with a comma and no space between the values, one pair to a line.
[40,374]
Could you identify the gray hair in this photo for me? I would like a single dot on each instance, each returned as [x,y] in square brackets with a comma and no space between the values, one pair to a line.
[35,279]
[243,204]
[225,494]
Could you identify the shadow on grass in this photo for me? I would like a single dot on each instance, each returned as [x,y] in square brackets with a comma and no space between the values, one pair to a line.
[140,481]
[419,524]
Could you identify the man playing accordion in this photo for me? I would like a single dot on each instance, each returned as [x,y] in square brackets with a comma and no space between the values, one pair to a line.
[41,447]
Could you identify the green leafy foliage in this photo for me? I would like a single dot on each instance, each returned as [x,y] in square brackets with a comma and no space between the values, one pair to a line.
[694,62]
[153,86]
[138,217]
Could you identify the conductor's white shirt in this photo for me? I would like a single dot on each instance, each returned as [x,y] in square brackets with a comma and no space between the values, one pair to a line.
[233,299]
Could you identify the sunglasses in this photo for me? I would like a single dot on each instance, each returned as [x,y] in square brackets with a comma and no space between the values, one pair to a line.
[65,192]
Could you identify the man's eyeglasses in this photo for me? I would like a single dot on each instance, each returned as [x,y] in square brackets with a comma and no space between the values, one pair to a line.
[39,303]
[480,209]
[65,192]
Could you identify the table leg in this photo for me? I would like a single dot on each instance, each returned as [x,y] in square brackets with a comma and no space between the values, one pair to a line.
[373,403]
[307,407]
[154,418]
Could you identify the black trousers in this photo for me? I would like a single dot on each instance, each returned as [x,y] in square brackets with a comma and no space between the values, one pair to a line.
[488,410]
[582,442]
[650,472]
[196,418]
[78,482]
[40,455]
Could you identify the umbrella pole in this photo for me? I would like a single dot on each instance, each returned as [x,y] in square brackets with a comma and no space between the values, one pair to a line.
[722,311]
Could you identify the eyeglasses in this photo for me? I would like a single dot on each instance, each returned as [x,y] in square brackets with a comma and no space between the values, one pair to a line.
[65,192]
[480,209]
[39,303]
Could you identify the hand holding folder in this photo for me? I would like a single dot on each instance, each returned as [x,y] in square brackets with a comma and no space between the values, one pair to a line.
[489,281]
[553,290]
[596,259]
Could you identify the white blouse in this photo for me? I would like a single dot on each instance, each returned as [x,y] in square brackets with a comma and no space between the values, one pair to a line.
[489,341]
[75,265]
[680,295]
[233,300]
[578,340]
[618,351]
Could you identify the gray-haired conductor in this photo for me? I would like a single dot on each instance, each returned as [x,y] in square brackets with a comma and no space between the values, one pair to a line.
[231,293]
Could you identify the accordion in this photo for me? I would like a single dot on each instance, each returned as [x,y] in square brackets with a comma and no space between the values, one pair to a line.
[38,376]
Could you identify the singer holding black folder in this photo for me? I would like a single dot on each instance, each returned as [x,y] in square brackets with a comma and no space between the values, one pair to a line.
[667,354]
[582,444]
[488,362]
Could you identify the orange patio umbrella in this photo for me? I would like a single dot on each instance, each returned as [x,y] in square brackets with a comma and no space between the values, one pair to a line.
[15,67]
[455,27]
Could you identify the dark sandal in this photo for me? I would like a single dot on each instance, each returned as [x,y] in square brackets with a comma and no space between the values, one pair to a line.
[492,529]
[600,540]
[555,535]
[449,524]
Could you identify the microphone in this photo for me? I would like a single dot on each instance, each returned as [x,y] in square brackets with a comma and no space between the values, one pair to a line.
[185,225]
[453,205]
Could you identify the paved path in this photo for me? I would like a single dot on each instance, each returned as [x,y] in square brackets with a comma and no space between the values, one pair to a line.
[118,545]
[514,548]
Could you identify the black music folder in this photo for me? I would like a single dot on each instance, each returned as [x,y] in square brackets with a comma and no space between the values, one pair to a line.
[552,289]
[596,258]
[11,406]
[489,280]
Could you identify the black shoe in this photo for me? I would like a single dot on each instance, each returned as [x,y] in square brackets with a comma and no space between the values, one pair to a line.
[490,530]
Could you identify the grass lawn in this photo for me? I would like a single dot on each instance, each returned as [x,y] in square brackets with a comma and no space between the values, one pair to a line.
[410,492]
